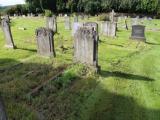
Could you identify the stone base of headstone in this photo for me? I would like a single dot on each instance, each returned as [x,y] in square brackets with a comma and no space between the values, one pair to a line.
[45,42]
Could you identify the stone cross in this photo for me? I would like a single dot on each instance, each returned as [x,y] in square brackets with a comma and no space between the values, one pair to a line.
[138,32]
[67,23]
[51,23]
[86,46]
[45,42]
[108,28]
[3,115]
[7,33]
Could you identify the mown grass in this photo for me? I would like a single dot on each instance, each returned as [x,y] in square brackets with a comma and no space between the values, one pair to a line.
[127,88]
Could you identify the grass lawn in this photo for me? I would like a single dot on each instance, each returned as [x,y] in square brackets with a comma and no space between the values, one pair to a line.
[127,88]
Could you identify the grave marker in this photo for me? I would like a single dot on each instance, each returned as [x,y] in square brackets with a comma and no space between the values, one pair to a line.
[138,32]
[51,23]
[67,22]
[7,33]
[45,42]
[86,46]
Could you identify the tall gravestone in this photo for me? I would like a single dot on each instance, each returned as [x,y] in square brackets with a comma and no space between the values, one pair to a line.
[112,14]
[51,23]
[86,46]
[75,18]
[7,33]
[108,28]
[92,24]
[3,115]
[75,27]
[138,33]
[67,23]
[45,42]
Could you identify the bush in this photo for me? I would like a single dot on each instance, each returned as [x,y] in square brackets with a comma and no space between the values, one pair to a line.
[103,17]
[48,13]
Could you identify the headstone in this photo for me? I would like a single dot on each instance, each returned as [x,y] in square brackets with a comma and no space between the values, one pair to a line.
[7,33]
[86,46]
[3,115]
[67,23]
[108,28]
[112,14]
[45,42]
[7,17]
[76,18]
[92,24]
[138,32]
[51,23]
[75,27]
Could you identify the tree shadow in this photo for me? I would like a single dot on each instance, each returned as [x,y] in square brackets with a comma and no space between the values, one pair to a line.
[82,99]
[125,75]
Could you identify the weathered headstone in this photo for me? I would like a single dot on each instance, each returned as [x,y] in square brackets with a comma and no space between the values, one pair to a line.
[86,46]
[51,23]
[138,32]
[92,24]
[76,18]
[67,23]
[112,14]
[45,42]
[7,33]
[75,27]
[3,115]
[7,17]
[108,28]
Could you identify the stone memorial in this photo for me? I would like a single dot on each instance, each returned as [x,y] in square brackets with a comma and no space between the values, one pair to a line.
[92,24]
[3,115]
[45,42]
[108,28]
[51,23]
[7,33]
[76,18]
[86,47]
[138,32]
[7,17]
[75,27]
[112,18]
[67,23]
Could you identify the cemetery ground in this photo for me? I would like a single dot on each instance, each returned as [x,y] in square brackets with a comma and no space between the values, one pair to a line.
[39,88]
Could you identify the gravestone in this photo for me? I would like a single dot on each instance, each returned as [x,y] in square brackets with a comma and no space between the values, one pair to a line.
[51,23]
[108,28]
[3,115]
[92,24]
[86,46]
[7,17]
[7,33]
[75,27]
[76,18]
[138,32]
[67,23]
[112,14]
[45,42]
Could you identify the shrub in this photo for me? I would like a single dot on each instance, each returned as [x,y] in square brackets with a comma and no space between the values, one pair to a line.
[48,13]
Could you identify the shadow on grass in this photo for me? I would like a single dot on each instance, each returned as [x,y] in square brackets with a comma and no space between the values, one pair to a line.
[125,75]
[152,43]
[84,99]
[31,50]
